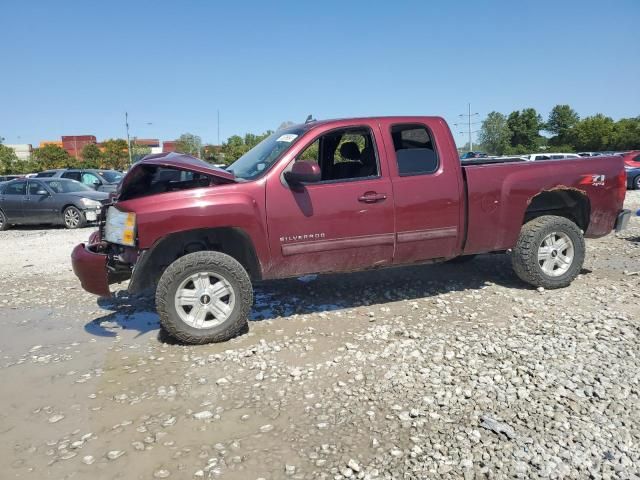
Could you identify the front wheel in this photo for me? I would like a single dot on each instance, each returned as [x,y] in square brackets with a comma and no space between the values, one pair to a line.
[73,218]
[204,297]
[636,183]
[549,253]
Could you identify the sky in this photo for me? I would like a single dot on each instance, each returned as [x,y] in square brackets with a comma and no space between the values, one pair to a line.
[76,67]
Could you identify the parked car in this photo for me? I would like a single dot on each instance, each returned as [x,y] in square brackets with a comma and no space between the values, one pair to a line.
[590,154]
[632,158]
[100,180]
[473,155]
[633,177]
[338,196]
[534,157]
[49,201]
[6,178]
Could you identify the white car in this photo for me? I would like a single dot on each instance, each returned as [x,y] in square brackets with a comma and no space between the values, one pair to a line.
[551,156]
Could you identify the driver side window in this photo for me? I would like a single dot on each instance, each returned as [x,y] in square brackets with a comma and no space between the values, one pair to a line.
[345,154]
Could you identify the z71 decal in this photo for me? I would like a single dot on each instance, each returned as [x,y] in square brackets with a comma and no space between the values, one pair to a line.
[596,180]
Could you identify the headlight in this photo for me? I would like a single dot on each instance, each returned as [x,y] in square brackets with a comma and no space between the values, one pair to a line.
[120,227]
[88,203]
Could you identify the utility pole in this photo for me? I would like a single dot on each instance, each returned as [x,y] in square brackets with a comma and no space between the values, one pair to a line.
[468,116]
[126,122]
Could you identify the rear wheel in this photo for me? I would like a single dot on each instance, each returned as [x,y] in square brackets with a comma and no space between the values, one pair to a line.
[3,221]
[204,297]
[73,218]
[549,253]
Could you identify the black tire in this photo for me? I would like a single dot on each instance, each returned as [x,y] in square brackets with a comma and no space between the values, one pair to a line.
[524,256]
[216,263]
[3,221]
[69,216]
[461,259]
[636,183]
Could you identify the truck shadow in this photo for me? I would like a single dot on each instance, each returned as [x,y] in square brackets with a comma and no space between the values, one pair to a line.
[315,294]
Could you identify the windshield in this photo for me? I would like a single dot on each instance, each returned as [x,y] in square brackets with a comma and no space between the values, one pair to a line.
[68,186]
[111,176]
[261,157]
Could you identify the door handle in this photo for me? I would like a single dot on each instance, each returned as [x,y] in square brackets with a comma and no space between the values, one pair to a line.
[372,197]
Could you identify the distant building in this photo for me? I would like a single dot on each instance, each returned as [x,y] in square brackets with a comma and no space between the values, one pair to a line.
[74,144]
[169,146]
[22,150]
[152,143]
[44,143]
[147,142]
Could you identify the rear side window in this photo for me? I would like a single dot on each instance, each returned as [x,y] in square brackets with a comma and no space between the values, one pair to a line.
[16,188]
[415,152]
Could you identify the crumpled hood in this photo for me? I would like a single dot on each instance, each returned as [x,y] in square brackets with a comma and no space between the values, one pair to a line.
[186,162]
[178,161]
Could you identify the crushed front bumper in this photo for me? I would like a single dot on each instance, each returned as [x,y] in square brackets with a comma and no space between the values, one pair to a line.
[91,268]
[622,220]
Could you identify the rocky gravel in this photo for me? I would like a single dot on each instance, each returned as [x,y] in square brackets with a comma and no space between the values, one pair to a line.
[441,371]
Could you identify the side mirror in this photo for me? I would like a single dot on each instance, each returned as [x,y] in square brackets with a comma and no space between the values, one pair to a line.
[303,172]
[42,192]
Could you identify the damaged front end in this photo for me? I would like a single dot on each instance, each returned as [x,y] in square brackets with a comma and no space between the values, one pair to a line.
[112,252]
[98,264]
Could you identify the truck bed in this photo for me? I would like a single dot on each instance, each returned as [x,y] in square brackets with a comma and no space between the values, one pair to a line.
[499,195]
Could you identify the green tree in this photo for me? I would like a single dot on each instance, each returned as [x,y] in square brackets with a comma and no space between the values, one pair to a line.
[561,122]
[594,133]
[115,154]
[190,144]
[212,153]
[53,156]
[525,129]
[8,160]
[91,156]
[626,135]
[139,151]
[234,148]
[494,133]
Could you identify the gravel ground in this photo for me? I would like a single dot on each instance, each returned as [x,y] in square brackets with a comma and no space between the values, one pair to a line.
[442,371]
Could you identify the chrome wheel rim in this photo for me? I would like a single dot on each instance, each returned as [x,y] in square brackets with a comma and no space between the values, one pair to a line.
[204,300]
[71,217]
[555,254]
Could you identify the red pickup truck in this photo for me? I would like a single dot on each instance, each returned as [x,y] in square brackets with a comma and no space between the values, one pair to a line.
[337,196]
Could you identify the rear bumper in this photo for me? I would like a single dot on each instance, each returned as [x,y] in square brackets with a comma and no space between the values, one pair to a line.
[91,268]
[622,220]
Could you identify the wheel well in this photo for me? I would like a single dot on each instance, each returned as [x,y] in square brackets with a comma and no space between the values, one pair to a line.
[232,241]
[571,204]
[67,206]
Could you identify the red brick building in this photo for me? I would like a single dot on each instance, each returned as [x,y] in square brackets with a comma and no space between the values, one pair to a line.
[74,144]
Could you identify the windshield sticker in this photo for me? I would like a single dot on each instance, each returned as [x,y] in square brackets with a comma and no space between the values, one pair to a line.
[287,137]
